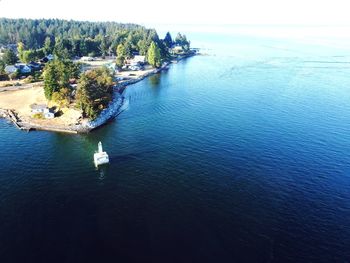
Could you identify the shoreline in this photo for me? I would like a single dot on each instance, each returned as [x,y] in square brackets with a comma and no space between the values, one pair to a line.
[114,108]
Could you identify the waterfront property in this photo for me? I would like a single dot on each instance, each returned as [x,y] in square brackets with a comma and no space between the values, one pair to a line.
[42,109]
[38,108]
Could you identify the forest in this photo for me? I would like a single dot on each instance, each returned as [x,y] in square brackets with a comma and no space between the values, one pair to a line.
[67,39]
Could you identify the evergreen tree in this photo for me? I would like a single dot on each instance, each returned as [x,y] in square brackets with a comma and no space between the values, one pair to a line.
[142,47]
[121,55]
[83,48]
[182,41]
[168,41]
[48,47]
[2,66]
[51,79]
[94,92]
[103,47]
[153,55]
[20,50]
[9,57]
[57,74]
[62,47]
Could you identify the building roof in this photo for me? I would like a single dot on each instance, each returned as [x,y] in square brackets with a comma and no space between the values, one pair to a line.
[33,64]
[38,106]
[10,68]
[138,58]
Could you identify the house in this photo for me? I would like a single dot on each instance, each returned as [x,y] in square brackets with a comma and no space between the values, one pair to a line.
[48,114]
[34,65]
[87,59]
[139,60]
[10,69]
[136,61]
[38,108]
[23,68]
[177,50]
[43,109]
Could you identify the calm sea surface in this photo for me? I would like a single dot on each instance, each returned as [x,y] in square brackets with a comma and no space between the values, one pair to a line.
[242,155]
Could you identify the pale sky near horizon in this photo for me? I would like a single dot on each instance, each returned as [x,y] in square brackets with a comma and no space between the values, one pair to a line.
[180,12]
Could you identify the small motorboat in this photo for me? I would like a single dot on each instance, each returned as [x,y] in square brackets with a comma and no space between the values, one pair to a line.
[100,157]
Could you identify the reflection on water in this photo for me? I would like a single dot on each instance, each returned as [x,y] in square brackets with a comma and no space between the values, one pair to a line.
[102,171]
[154,80]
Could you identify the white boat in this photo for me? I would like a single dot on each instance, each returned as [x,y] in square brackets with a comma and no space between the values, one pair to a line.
[100,157]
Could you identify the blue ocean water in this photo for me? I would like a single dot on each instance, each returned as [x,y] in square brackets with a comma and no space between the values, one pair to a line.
[239,155]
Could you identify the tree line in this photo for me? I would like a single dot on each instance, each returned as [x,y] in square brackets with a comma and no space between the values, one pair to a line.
[66,39]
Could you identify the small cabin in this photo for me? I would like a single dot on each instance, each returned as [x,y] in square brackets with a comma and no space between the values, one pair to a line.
[10,69]
[139,59]
[136,61]
[38,108]
[49,115]
[87,58]
[43,109]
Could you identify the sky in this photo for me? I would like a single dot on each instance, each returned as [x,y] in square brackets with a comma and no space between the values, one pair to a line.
[183,12]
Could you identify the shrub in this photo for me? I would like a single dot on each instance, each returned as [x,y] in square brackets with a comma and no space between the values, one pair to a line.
[62,97]
[4,76]
[14,75]
[38,76]
[38,116]
[29,79]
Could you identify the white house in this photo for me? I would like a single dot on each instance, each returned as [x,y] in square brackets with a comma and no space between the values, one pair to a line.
[48,114]
[38,108]
[177,50]
[139,59]
[43,109]
[136,61]
[10,69]
[87,59]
